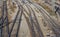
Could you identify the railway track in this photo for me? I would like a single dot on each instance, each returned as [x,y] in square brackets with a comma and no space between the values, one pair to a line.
[47,17]
[32,23]
[3,18]
[54,25]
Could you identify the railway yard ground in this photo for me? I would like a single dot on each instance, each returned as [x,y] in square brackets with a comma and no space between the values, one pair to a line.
[28,19]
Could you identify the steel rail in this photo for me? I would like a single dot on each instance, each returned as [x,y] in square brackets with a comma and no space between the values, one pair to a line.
[2,19]
[31,20]
[30,26]
[7,21]
[20,18]
[37,24]
[14,21]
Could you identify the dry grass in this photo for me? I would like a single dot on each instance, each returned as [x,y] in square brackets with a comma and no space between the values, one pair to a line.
[12,7]
[12,10]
